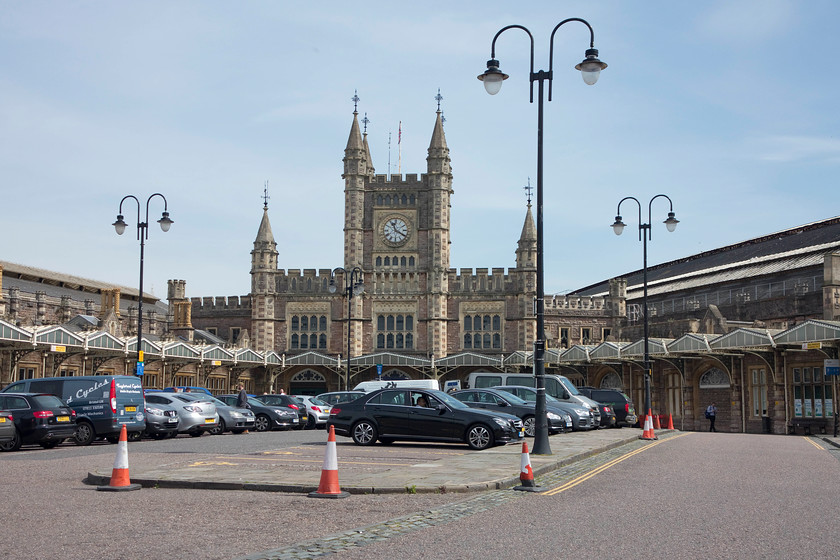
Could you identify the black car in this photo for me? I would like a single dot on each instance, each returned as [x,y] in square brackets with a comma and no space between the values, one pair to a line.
[625,413]
[39,418]
[287,401]
[268,417]
[411,414]
[502,401]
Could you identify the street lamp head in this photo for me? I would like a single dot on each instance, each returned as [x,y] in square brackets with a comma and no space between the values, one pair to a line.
[119,225]
[359,288]
[671,222]
[493,77]
[332,287]
[591,67]
[618,226]
[165,222]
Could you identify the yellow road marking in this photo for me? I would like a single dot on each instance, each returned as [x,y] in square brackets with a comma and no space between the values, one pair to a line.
[815,444]
[584,477]
[296,460]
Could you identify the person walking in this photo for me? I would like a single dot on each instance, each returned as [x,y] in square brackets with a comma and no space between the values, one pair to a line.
[242,400]
[711,412]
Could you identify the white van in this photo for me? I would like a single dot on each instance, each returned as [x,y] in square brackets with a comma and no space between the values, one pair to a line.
[556,386]
[368,386]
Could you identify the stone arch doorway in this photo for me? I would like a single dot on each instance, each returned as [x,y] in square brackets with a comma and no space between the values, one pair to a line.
[307,382]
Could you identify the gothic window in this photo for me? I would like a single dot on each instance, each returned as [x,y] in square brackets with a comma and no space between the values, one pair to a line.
[395,331]
[403,261]
[714,379]
[388,200]
[404,200]
[379,200]
[611,381]
[482,332]
[312,329]
[411,199]
[378,261]
[411,261]
[585,335]
[387,261]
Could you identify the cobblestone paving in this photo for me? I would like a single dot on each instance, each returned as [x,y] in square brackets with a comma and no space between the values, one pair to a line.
[445,514]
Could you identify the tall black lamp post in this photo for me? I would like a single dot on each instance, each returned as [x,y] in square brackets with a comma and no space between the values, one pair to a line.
[618,227]
[353,285]
[142,235]
[493,77]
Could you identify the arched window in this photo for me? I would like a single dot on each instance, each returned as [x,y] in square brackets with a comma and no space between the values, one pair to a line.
[304,341]
[399,325]
[477,322]
[389,321]
[313,323]
[380,340]
[409,322]
[388,200]
[322,341]
[468,323]
[409,341]
[411,261]
[295,343]
[497,323]
[487,323]
[497,341]
[379,200]
[313,341]
[387,261]
[714,379]
[378,261]
[411,199]
[389,340]
[304,323]
[402,262]
[611,381]
[322,323]
[468,340]
[404,200]
[487,340]
[295,322]
[380,323]
[482,332]
[399,338]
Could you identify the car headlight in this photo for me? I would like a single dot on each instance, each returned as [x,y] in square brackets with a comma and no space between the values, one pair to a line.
[235,414]
[504,423]
[582,413]
[154,411]
[552,416]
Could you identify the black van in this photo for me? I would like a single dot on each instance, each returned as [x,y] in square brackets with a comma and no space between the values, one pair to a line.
[625,412]
[103,403]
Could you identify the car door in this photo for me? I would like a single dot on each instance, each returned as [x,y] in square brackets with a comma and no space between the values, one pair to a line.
[434,420]
[388,409]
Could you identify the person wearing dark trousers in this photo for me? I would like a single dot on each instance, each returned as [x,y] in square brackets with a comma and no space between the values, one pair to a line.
[711,412]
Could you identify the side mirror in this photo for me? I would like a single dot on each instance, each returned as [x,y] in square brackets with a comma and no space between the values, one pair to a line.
[566,395]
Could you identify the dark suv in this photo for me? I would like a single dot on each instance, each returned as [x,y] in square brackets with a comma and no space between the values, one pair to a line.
[39,418]
[625,413]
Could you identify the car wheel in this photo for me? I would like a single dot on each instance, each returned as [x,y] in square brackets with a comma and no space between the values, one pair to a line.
[50,444]
[262,423]
[159,435]
[479,437]
[84,434]
[310,422]
[530,425]
[135,436]
[13,445]
[219,428]
[364,433]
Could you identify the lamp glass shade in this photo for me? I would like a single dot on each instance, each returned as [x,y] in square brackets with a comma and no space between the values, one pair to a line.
[119,225]
[590,75]
[165,222]
[618,226]
[671,222]
[359,288]
[493,82]
[332,285]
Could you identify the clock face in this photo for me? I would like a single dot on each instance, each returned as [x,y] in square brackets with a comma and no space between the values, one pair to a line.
[395,230]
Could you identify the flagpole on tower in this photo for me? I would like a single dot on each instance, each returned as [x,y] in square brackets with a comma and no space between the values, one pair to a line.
[399,150]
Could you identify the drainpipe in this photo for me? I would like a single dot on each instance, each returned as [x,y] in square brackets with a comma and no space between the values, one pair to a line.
[784,378]
[743,399]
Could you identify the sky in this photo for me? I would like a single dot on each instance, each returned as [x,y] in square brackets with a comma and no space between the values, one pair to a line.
[728,107]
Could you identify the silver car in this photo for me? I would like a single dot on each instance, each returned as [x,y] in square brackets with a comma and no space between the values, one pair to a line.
[197,414]
[317,411]
[162,421]
[231,418]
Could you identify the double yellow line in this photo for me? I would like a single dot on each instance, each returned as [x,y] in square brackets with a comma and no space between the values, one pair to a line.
[584,477]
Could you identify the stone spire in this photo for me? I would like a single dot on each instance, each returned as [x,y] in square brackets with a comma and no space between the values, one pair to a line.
[526,252]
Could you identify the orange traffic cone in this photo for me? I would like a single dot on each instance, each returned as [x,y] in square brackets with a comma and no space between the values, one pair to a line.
[670,422]
[329,488]
[119,475]
[526,474]
[648,433]
[656,424]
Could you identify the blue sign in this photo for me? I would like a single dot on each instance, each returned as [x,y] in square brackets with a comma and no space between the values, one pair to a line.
[832,367]
[140,368]
[378,370]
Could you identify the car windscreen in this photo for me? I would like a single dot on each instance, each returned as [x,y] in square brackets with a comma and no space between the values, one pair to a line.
[512,399]
[318,402]
[448,400]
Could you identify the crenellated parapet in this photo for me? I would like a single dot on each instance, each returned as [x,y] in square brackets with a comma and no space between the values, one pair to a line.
[206,305]
[484,280]
[407,180]
[306,281]
[580,303]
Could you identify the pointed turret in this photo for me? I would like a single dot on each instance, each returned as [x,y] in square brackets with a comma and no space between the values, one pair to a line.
[355,142]
[264,257]
[526,251]
[357,172]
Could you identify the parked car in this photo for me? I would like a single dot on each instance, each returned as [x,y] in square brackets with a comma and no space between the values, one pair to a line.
[409,414]
[268,417]
[582,416]
[7,427]
[196,415]
[317,411]
[337,397]
[290,402]
[502,401]
[231,418]
[625,412]
[162,421]
[38,418]
[103,403]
